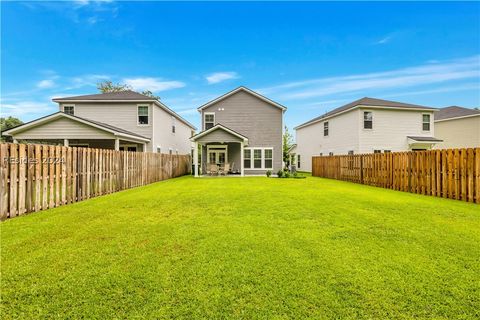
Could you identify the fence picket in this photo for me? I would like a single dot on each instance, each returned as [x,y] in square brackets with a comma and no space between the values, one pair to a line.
[452,173]
[38,177]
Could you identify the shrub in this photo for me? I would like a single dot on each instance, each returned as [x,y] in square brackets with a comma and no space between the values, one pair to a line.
[280,173]
[269,173]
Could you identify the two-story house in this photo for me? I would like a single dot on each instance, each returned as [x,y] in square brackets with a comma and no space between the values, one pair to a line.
[366,125]
[123,120]
[242,129]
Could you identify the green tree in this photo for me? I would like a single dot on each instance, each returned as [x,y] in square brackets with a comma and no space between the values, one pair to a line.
[108,86]
[7,123]
[287,144]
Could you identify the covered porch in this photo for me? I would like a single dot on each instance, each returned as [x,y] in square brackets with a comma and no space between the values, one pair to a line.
[218,151]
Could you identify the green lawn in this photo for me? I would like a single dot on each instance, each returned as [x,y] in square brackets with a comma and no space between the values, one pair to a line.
[252,248]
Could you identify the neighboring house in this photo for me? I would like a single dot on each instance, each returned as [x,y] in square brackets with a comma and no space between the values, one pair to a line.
[366,125]
[123,120]
[458,127]
[241,128]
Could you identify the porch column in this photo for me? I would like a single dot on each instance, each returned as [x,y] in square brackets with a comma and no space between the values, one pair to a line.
[242,173]
[144,147]
[15,140]
[195,159]
[65,142]
[117,144]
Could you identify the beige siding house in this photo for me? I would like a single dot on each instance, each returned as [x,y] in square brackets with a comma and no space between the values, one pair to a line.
[458,127]
[366,125]
[123,120]
[243,130]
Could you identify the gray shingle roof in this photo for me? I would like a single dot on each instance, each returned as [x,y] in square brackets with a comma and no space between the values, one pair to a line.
[454,112]
[122,95]
[367,102]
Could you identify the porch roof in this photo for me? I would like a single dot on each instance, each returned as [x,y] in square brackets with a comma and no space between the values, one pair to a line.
[102,127]
[228,135]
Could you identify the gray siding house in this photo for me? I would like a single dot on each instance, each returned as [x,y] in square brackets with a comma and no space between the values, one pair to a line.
[123,120]
[241,128]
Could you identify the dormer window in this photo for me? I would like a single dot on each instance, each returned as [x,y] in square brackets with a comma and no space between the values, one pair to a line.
[209,120]
[69,110]
[142,115]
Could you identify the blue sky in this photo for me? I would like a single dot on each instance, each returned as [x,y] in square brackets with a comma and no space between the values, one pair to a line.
[311,57]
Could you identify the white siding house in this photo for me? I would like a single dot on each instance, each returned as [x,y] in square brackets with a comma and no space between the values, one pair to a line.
[123,120]
[366,126]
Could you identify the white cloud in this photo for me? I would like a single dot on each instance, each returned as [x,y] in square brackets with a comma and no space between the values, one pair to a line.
[221,76]
[460,69]
[45,84]
[152,84]
[30,109]
[88,80]
[384,40]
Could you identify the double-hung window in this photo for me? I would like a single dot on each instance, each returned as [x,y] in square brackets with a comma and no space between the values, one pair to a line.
[298,161]
[258,158]
[209,120]
[426,122]
[69,110]
[247,158]
[325,129]
[142,115]
[367,120]
[267,158]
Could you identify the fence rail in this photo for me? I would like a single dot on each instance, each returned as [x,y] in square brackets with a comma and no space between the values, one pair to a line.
[452,173]
[38,177]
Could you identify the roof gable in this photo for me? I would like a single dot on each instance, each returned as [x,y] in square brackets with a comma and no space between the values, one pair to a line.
[243,89]
[58,115]
[219,127]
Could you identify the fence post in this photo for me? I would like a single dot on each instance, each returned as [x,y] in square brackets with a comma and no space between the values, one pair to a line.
[361,168]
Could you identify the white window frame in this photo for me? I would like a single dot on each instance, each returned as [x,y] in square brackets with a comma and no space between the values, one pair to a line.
[327,126]
[148,115]
[363,119]
[69,105]
[220,148]
[252,166]
[429,122]
[204,122]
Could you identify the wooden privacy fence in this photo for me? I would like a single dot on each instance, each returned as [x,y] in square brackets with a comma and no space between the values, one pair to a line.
[38,177]
[452,173]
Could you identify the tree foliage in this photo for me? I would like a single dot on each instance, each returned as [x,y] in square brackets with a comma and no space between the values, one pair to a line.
[287,144]
[108,86]
[7,123]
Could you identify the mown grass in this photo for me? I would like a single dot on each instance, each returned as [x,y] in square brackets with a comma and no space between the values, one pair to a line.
[252,248]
